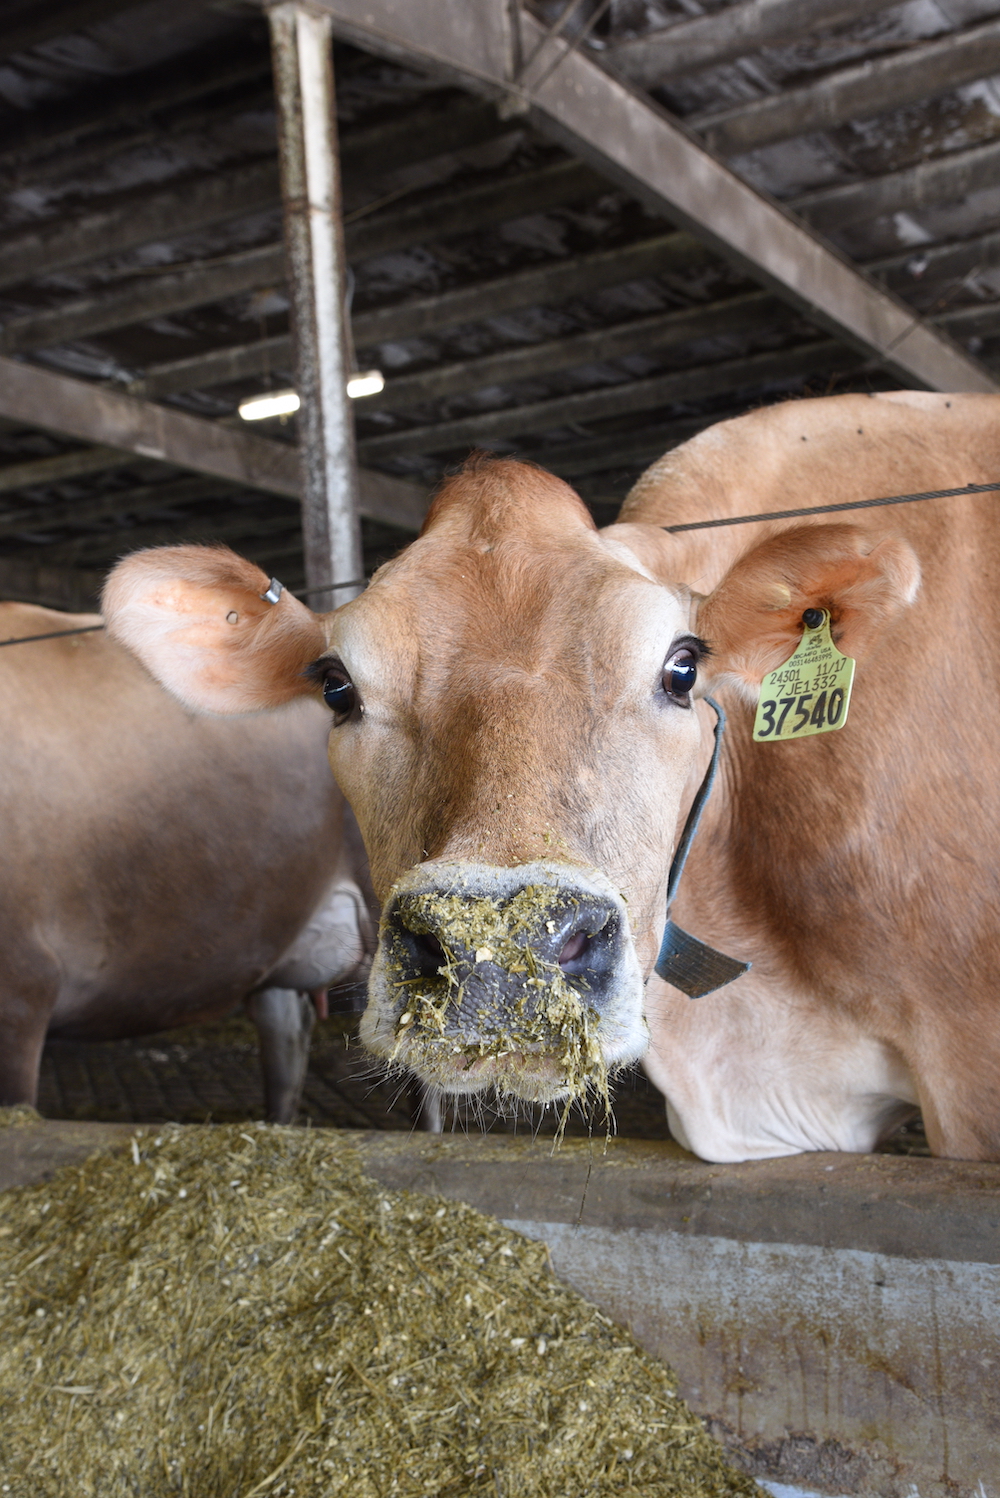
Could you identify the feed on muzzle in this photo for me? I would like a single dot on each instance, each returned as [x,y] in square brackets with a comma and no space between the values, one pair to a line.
[499,990]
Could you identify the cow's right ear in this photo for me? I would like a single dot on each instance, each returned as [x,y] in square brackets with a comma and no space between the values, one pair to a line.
[197,618]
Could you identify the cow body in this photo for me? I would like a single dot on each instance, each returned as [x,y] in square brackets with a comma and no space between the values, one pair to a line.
[157,866]
[858,870]
[517,726]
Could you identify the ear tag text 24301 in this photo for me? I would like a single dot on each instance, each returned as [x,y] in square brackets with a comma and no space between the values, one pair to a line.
[811,692]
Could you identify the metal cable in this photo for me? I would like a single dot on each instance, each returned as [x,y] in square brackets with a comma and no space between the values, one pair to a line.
[355,582]
[855,504]
[55,634]
[690,525]
[88,629]
[570,48]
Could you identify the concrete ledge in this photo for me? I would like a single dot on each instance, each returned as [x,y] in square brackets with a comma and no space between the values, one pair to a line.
[34,1151]
[837,1317]
[886,1204]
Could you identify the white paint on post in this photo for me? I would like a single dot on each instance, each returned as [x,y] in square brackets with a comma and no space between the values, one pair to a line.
[303,65]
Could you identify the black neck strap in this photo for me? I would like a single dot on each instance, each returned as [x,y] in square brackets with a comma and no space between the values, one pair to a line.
[684,961]
[697,806]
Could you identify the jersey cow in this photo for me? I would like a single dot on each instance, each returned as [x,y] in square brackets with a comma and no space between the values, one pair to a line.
[516,722]
[157,866]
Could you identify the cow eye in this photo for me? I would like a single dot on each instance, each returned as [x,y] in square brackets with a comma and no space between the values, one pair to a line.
[680,674]
[339,692]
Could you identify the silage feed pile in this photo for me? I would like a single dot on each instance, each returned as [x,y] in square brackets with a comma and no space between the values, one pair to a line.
[226,1312]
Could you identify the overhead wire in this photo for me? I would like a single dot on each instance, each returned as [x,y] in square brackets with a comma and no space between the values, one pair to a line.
[688,525]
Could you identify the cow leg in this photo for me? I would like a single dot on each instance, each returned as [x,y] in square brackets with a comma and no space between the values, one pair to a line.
[961,1111]
[24,1020]
[284,1020]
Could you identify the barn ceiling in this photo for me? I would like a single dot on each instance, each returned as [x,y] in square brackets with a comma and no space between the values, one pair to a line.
[518,275]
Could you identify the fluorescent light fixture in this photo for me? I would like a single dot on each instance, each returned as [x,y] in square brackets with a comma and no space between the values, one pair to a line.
[369,382]
[274,403]
[284,402]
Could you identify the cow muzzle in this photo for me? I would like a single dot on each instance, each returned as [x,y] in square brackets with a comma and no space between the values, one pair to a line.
[522,978]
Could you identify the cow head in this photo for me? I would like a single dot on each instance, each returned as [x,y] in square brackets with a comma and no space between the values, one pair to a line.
[513,721]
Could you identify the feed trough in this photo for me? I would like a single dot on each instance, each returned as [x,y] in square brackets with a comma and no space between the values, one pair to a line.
[835,1317]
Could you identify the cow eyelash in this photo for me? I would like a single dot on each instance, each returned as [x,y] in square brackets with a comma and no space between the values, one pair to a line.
[699,648]
[316,670]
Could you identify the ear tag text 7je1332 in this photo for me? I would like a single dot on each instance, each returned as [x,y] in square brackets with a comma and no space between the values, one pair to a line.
[811,692]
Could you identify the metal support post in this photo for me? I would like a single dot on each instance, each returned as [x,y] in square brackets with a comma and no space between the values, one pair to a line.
[302,54]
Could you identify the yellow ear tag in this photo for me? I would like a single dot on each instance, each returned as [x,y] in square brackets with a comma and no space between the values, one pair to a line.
[810,693]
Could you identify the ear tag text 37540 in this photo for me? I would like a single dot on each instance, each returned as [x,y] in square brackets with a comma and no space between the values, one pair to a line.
[811,692]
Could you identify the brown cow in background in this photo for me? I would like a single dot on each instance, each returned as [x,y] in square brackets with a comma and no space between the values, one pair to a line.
[158,866]
[515,720]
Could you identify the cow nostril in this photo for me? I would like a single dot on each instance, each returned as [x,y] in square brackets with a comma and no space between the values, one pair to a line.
[574,949]
[429,954]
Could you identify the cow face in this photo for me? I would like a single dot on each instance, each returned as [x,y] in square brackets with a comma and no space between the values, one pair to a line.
[514,724]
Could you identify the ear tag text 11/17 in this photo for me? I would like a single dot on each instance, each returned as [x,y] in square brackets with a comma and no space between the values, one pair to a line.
[810,693]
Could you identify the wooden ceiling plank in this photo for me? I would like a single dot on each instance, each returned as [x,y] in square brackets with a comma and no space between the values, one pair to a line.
[55,244]
[660,330]
[39,23]
[97,152]
[36,472]
[104,547]
[222,366]
[594,454]
[149,296]
[440,126]
[707,41]
[130,100]
[699,383]
[971,322]
[545,285]
[58,514]
[928,265]
[465,210]
[869,88]
[92,413]
[624,137]
[945,179]
[44,249]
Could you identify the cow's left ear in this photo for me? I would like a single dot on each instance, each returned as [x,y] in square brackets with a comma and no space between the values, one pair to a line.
[207,624]
[753,620]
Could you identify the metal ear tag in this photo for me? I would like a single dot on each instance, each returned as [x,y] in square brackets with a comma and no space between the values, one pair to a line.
[274,591]
[692,965]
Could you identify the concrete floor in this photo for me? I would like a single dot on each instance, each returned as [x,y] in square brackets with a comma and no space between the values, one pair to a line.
[212,1072]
